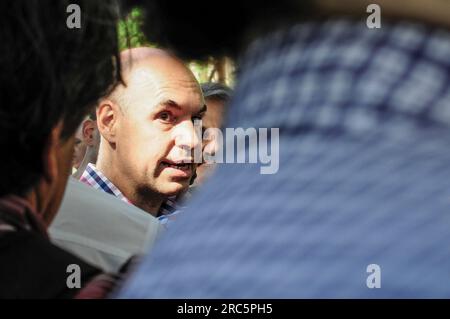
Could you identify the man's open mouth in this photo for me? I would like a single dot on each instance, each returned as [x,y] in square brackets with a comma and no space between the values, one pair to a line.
[180,166]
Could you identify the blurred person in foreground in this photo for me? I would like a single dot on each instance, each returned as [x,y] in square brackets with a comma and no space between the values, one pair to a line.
[51,77]
[360,204]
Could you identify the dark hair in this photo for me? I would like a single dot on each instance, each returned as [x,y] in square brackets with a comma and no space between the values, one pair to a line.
[218,91]
[49,73]
[185,26]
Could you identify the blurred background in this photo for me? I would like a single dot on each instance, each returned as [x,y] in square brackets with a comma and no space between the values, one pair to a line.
[215,69]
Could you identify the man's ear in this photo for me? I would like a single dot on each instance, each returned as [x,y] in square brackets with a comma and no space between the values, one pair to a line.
[50,154]
[107,115]
[88,129]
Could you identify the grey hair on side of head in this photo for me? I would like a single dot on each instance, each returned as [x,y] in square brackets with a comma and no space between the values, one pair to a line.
[213,90]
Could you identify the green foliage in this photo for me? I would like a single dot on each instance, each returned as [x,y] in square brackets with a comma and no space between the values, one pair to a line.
[130,30]
[201,70]
[131,36]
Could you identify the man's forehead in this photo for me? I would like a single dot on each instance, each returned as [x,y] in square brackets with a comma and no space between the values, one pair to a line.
[158,65]
[192,102]
[178,87]
[163,78]
[160,79]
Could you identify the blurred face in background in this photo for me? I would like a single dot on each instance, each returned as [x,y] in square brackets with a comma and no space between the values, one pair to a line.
[213,118]
[79,148]
[91,138]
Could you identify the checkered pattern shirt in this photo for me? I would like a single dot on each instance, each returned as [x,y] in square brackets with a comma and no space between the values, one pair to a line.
[364,174]
[94,178]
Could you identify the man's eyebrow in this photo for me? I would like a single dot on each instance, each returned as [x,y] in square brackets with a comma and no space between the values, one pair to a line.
[171,103]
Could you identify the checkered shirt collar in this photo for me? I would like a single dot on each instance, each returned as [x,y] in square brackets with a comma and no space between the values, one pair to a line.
[95,178]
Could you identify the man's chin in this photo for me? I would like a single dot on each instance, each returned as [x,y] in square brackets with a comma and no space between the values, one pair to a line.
[174,188]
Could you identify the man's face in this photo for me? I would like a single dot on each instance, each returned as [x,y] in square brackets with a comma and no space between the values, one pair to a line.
[79,148]
[155,130]
[212,119]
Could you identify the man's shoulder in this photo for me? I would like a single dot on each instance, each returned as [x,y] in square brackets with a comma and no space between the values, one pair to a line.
[32,267]
[81,199]
[94,220]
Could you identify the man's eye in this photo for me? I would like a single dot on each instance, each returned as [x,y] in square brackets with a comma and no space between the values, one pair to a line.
[166,117]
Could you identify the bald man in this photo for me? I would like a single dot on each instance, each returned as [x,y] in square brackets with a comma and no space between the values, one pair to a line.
[147,132]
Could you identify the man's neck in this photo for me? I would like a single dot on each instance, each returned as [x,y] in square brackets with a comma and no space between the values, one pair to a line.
[151,206]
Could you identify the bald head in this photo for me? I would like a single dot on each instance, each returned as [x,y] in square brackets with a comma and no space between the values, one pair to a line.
[151,66]
[134,56]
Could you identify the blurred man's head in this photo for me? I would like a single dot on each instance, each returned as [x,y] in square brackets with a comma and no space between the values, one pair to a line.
[51,76]
[91,137]
[88,139]
[216,98]
[79,146]
[147,128]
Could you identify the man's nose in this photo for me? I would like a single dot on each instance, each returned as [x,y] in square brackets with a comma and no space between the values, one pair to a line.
[187,136]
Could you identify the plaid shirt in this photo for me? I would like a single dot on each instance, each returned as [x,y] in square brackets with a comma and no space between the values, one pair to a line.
[94,178]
